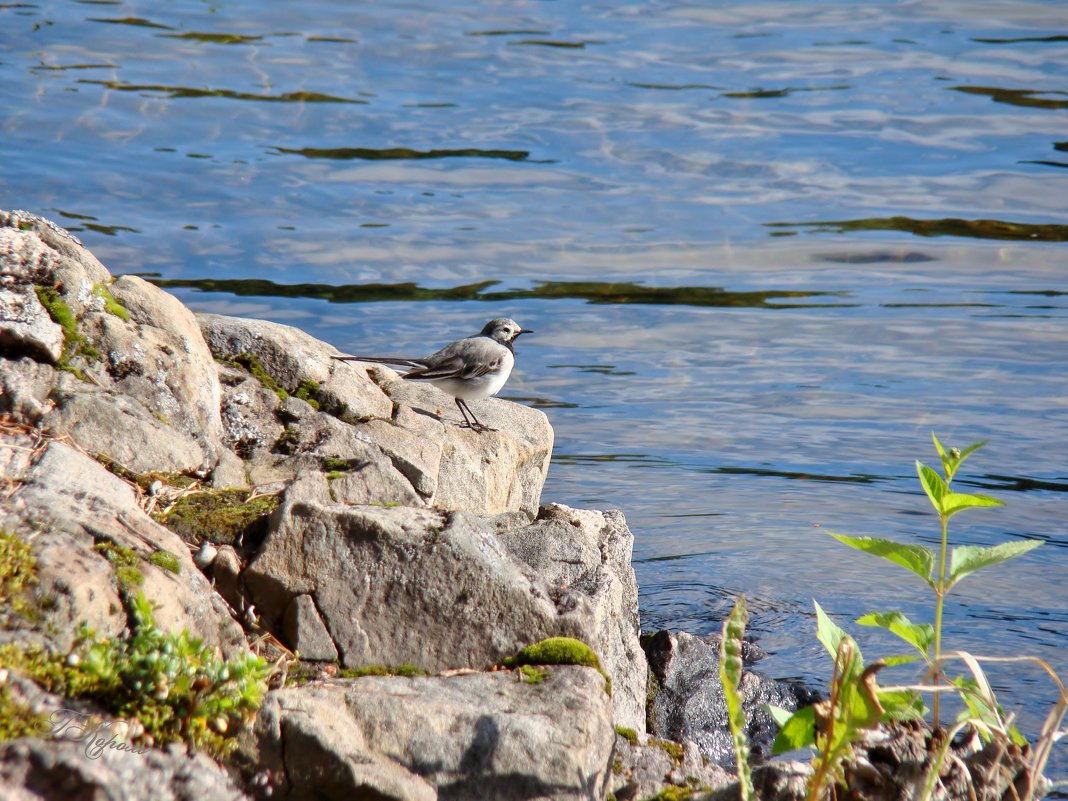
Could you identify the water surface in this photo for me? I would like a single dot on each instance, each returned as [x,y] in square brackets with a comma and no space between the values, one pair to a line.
[767,249]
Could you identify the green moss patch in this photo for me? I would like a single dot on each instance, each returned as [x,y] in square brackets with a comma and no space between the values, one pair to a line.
[146,480]
[111,306]
[380,670]
[559,651]
[529,674]
[126,562]
[17,720]
[173,684]
[18,572]
[308,392]
[249,362]
[220,516]
[74,342]
[673,750]
[629,735]
[166,561]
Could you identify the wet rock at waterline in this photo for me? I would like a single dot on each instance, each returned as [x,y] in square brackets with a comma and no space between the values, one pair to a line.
[689,703]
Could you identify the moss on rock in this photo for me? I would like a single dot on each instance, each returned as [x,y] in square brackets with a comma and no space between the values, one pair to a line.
[18,572]
[559,651]
[220,516]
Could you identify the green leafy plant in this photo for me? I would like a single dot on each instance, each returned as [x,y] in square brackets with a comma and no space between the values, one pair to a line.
[730,674]
[942,571]
[178,688]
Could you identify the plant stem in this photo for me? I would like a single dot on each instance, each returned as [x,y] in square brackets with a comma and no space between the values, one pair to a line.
[940,596]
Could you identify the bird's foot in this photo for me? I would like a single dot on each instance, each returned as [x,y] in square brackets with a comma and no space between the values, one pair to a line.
[478,428]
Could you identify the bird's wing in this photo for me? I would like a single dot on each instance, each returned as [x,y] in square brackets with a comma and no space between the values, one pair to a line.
[450,362]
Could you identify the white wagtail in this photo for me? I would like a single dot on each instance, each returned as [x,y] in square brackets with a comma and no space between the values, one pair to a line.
[469,369]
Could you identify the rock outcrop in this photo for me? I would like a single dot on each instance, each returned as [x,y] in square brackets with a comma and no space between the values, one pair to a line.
[399,539]
[381,737]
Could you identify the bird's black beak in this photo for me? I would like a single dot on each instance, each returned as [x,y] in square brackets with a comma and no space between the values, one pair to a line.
[524,331]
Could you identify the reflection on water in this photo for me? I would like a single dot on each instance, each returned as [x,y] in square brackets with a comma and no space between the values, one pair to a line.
[766,248]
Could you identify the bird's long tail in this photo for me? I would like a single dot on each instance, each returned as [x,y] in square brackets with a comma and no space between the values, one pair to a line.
[413,363]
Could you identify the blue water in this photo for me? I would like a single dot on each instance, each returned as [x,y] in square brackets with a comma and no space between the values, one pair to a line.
[878,188]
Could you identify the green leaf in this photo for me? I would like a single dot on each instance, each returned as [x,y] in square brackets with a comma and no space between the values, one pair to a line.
[954,502]
[967,559]
[933,485]
[799,731]
[901,704]
[778,714]
[919,635]
[827,631]
[948,466]
[913,557]
[964,454]
[730,675]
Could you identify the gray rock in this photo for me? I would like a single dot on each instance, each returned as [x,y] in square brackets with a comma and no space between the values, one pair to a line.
[473,736]
[305,631]
[142,390]
[25,326]
[292,357]
[689,702]
[446,590]
[25,388]
[584,557]
[60,770]
[647,765]
[71,503]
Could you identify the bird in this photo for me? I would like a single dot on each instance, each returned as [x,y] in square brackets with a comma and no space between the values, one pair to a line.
[472,368]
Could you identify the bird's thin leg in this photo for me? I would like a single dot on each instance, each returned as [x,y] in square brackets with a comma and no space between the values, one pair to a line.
[472,421]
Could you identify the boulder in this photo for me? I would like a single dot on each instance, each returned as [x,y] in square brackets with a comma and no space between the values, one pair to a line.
[74,512]
[583,557]
[123,368]
[441,590]
[477,736]
[59,770]
[689,702]
[644,766]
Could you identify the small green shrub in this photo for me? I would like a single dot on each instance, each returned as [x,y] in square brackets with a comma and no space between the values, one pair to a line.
[17,720]
[176,686]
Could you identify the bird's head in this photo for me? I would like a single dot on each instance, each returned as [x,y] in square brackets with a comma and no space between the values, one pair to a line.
[503,330]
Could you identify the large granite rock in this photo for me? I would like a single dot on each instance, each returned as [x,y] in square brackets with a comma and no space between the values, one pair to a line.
[60,770]
[468,737]
[443,590]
